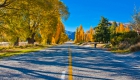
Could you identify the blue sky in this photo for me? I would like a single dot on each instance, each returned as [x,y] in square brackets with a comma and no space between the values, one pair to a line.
[88,12]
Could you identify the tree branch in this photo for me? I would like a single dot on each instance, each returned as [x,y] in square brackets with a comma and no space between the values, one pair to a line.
[6,3]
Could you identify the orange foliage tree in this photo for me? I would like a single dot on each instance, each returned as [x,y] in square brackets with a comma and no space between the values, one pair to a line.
[89,35]
[59,35]
[79,35]
[121,28]
[127,29]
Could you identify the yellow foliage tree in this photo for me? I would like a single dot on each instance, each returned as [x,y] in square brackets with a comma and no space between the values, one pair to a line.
[122,28]
[79,35]
[53,40]
[58,32]
[127,29]
[76,36]
[91,34]
[117,29]
[88,37]
[43,36]
[60,35]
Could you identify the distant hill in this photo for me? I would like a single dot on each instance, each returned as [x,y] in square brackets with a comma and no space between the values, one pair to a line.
[70,34]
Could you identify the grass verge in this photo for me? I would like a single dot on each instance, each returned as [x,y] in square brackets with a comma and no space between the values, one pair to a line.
[121,51]
[13,51]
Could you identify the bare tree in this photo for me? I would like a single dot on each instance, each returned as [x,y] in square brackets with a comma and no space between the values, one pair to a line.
[136,21]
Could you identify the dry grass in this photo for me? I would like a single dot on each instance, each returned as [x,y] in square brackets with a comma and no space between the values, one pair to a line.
[13,51]
[100,45]
[121,51]
[135,47]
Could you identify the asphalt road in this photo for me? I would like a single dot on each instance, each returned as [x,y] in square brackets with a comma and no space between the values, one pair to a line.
[87,64]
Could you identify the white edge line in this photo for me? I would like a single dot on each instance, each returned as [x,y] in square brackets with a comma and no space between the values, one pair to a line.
[63,75]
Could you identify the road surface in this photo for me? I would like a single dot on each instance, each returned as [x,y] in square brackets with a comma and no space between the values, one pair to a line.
[87,64]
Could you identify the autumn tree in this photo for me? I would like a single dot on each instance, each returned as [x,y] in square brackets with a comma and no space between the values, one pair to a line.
[14,29]
[79,35]
[117,29]
[89,35]
[53,40]
[60,36]
[85,39]
[59,29]
[13,23]
[127,28]
[76,36]
[122,28]
[5,3]
[63,38]
[35,17]
[53,23]
[38,13]
[122,35]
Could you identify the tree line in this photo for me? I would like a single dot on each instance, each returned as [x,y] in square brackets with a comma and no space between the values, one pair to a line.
[33,21]
[118,34]
[81,36]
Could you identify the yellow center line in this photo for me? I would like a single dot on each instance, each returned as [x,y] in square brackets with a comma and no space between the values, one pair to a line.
[70,77]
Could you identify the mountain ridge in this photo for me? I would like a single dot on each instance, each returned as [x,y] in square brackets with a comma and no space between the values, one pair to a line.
[70,34]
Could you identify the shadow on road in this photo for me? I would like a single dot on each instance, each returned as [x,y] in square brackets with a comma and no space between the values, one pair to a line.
[103,61]
[56,57]
[48,64]
[33,73]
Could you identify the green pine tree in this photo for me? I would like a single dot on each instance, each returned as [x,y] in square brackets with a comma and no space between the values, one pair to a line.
[102,33]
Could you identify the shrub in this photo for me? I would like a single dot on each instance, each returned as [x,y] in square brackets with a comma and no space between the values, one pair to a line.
[107,46]
[137,40]
[135,47]
[130,37]
[123,45]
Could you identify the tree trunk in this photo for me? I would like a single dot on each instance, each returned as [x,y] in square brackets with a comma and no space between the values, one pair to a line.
[17,42]
[31,40]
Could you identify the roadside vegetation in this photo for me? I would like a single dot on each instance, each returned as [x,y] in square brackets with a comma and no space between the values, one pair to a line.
[116,36]
[31,21]
[13,51]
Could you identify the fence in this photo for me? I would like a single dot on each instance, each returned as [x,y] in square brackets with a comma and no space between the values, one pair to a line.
[6,44]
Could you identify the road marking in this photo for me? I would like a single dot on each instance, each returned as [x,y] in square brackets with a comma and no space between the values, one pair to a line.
[70,77]
[63,75]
